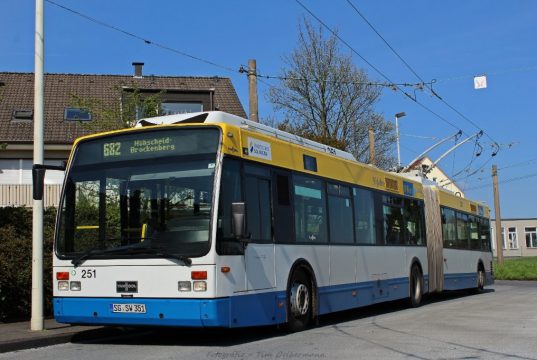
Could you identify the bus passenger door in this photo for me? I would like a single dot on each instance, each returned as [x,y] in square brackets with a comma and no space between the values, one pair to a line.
[259,253]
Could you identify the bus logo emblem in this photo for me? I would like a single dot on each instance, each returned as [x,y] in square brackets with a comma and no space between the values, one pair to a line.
[259,149]
[127,286]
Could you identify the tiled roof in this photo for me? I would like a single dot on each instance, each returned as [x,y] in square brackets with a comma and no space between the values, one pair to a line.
[18,93]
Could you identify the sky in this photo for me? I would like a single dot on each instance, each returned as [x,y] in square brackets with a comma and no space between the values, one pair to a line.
[448,42]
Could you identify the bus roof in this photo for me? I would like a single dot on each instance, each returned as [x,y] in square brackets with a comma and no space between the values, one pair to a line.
[212,117]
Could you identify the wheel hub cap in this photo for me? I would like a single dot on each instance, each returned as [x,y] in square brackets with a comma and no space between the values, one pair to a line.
[300,299]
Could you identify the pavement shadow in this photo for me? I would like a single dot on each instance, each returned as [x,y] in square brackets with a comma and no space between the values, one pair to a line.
[218,337]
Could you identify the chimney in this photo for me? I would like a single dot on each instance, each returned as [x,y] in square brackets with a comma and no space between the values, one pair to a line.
[138,69]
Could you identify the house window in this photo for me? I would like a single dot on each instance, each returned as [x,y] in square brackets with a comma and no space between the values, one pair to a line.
[170,108]
[513,240]
[22,115]
[76,114]
[531,237]
[503,238]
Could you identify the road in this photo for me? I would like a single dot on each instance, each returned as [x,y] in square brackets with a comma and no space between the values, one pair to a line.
[500,323]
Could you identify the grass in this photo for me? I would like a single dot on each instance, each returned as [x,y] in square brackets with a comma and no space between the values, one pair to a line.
[516,269]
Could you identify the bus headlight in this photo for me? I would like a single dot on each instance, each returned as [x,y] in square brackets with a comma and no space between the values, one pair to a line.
[75,286]
[63,285]
[185,286]
[200,286]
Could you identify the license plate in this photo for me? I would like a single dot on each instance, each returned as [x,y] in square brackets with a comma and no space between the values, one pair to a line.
[128,308]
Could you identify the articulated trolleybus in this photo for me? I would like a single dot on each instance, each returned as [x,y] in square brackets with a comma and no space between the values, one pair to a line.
[211,220]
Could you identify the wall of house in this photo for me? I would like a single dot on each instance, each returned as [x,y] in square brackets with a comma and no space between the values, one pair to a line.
[519,237]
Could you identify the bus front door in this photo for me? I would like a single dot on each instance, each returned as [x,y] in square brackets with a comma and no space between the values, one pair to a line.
[259,253]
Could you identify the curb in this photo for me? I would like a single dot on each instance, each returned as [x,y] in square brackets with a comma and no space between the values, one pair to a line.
[86,335]
[36,342]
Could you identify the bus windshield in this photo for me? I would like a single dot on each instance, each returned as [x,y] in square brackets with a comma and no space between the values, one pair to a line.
[127,195]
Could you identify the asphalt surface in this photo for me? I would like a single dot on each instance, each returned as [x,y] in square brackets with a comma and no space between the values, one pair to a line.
[500,323]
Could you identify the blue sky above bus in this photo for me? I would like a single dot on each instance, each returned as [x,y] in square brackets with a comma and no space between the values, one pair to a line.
[448,42]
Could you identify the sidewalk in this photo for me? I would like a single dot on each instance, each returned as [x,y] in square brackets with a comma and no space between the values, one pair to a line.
[18,336]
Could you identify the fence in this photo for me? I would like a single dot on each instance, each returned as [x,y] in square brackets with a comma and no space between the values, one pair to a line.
[21,195]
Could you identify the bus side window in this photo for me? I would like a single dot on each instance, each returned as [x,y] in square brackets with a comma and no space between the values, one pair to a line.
[463,231]
[340,214]
[414,228]
[393,220]
[310,210]
[364,216]
[484,234]
[475,242]
[449,228]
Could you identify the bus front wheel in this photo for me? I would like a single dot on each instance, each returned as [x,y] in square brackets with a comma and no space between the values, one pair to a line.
[416,286]
[299,302]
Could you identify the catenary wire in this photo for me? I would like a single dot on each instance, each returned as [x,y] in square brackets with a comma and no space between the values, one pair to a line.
[416,74]
[138,37]
[373,66]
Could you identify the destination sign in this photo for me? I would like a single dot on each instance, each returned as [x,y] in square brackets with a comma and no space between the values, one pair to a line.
[147,144]
[126,148]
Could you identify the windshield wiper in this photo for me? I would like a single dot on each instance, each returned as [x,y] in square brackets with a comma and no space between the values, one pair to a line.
[157,251]
[90,253]
[160,252]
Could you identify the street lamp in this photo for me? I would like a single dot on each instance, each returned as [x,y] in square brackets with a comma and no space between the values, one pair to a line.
[397,116]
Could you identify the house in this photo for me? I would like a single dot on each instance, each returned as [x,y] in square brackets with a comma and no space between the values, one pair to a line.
[423,165]
[65,122]
[519,237]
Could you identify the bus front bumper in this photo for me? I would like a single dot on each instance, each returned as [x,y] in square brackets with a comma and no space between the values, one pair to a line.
[158,312]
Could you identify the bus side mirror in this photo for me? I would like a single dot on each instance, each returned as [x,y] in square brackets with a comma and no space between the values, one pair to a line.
[238,216]
[38,178]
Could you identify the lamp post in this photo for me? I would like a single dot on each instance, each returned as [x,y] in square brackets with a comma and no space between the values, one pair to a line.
[397,116]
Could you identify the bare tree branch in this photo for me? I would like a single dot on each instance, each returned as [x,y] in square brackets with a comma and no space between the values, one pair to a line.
[324,97]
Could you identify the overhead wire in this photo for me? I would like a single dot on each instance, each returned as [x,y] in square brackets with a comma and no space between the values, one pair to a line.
[138,37]
[506,181]
[367,83]
[335,34]
[487,73]
[428,85]
[519,164]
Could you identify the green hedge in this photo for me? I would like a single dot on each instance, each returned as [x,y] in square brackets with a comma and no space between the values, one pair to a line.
[16,262]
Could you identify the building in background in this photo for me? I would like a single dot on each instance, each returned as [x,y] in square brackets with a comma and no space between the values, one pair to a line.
[519,237]
[64,123]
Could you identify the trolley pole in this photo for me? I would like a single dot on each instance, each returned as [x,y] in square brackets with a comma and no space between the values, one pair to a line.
[372,159]
[37,321]
[252,83]
[497,215]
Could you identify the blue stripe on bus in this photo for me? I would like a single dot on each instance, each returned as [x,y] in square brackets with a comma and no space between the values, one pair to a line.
[267,308]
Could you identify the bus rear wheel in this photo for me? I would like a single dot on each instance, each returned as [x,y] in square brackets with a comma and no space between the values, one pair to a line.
[416,286]
[299,302]
[480,279]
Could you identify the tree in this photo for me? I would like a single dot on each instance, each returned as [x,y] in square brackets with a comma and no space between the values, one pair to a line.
[326,98]
[109,116]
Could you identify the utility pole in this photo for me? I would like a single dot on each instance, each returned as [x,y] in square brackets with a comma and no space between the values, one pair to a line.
[252,85]
[37,321]
[498,221]
[372,159]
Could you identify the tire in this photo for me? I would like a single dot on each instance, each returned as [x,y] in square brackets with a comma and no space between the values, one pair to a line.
[299,302]
[480,279]
[415,286]
[480,283]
